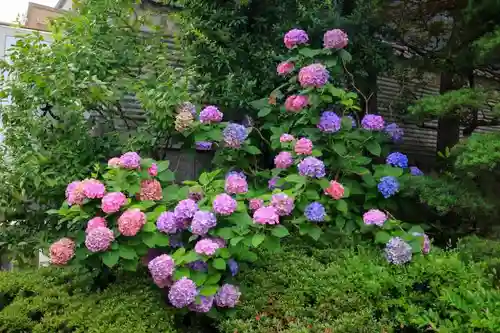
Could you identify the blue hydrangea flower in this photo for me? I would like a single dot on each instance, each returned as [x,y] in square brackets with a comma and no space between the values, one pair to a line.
[397,159]
[397,251]
[315,212]
[312,167]
[329,122]
[395,132]
[234,268]
[234,135]
[414,171]
[204,145]
[199,266]
[388,186]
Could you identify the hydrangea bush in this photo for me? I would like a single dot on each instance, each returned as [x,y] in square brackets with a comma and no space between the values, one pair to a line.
[191,238]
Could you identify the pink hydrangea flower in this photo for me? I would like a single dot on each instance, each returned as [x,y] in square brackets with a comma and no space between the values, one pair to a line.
[236,184]
[112,202]
[74,193]
[153,170]
[283,204]
[206,246]
[99,239]
[374,216]
[131,222]
[62,251]
[150,190]
[95,222]
[211,114]
[335,190]
[266,215]
[221,242]
[296,103]
[315,75]
[286,138]
[223,204]
[285,67]
[303,146]
[295,37]
[130,160]
[255,204]
[114,162]
[93,189]
[335,39]
[283,160]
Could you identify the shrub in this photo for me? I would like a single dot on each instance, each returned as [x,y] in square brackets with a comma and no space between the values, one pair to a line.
[55,300]
[355,290]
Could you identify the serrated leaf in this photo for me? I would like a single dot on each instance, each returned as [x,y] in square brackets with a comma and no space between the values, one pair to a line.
[309,53]
[110,258]
[257,240]
[374,147]
[130,265]
[346,123]
[219,264]
[223,253]
[280,231]
[179,253]
[260,103]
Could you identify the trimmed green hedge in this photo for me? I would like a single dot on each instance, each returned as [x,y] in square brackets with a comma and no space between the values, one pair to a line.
[57,300]
[354,290]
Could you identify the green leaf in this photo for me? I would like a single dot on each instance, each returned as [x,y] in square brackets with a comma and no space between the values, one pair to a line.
[234,241]
[260,103]
[178,254]
[181,272]
[213,278]
[312,194]
[340,148]
[223,253]
[163,165]
[130,265]
[190,257]
[204,180]
[143,205]
[295,178]
[110,258]
[280,231]
[226,233]
[219,264]
[346,123]
[342,206]
[416,229]
[127,252]
[344,55]
[416,246]
[382,237]
[272,244]
[149,227]
[208,290]
[199,278]
[257,239]
[309,53]
[252,150]
[166,176]
[161,239]
[264,112]
[373,147]
[317,153]
[340,222]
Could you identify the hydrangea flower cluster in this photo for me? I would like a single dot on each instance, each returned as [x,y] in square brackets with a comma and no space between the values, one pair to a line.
[234,135]
[374,217]
[296,103]
[283,160]
[329,122]
[315,75]
[204,145]
[397,159]
[206,246]
[388,186]
[131,222]
[211,114]
[285,67]
[202,222]
[236,183]
[266,215]
[282,203]
[167,223]
[112,202]
[295,37]
[62,251]
[397,251]
[335,39]
[182,293]
[315,212]
[227,296]
[130,160]
[286,138]
[312,167]
[78,191]
[95,222]
[223,204]
[335,190]
[161,269]
[373,122]
[395,132]
[303,146]
[150,190]
[255,204]
[99,239]
[414,171]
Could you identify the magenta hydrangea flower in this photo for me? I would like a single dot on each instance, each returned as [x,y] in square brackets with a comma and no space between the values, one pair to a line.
[286,138]
[315,75]
[227,296]
[285,67]
[93,189]
[74,193]
[373,122]
[335,39]
[182,293]
[295,103]
[295,37]
[223,204]
[283,204]
[303,146]
[161,269]
[266,215]
[114,162]
[167,223]
[374,216]
[95,222]
[202,222]
[236,183]
[185,209]
[206,246]
[255,204]
[62,251]
[211,114]
[153,170]
[112,202]
[312,167]
[130,160]
[283,160]
[131,222]
[203,306]
[329,122]
[99,239]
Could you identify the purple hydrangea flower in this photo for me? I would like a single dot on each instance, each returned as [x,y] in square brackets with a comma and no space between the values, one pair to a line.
[397,159]
[397,251]
[282,203]
[199,266]
[234,135]
[329,122]
[414,171]
[372,122]
[202,222]
[211,114]
[315,212]
[227,296]
[203,306]
[206,246]
[167,223]
[182,293]
[99,239]
[312,167]
[204,145]
[295,37]
[388,186]
[130,160]
[335,39]
[185,209]
[315,75]
[223,204]
[161,269]
[395,132]
[234,268]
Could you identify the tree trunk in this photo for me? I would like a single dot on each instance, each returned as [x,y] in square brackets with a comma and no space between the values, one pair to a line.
[448,125]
